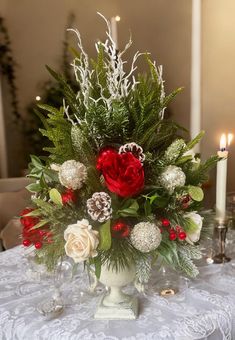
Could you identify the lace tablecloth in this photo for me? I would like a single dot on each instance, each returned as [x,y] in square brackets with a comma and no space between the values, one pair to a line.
[204,310]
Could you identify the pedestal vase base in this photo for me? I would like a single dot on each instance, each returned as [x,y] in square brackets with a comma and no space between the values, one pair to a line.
[127,310]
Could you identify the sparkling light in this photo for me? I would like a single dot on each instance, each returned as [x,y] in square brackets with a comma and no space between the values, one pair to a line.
[117,18]
[38,98]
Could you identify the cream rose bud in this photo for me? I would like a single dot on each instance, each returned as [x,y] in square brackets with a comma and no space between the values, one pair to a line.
[81,241]
[197,220]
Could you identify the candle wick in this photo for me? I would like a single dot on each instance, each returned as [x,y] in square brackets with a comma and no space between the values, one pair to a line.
[223,149]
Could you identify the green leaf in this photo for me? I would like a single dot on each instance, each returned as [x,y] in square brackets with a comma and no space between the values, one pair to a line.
[195,141]
[35,212]
[40,224]
[183,159]
[36,162]
[147,208]
[153,198]
[55,196]
[97,263]
[189,225]
[161,202]
[105,236]
[47,207]
[49,108]
[196,193]
[130,209]
[34,187]
[168,250]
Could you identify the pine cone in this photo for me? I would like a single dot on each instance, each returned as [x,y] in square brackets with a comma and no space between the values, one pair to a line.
[135,149]
[99,206]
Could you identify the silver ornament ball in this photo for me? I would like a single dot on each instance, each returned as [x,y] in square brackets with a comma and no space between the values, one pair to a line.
[145,237]
[72,174]
[172,177]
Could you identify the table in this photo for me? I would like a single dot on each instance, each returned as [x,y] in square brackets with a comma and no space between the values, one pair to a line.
[204,310]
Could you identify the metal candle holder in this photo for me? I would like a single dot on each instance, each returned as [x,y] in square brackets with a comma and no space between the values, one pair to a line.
[220,233]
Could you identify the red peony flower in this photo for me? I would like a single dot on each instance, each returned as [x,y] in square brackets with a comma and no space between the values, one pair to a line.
[123,173]
[104,152]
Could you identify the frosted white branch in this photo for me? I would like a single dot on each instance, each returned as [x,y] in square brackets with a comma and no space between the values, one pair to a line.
[66,111]
[119,82]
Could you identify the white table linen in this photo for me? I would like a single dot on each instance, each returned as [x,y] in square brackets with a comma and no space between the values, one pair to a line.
[205,310]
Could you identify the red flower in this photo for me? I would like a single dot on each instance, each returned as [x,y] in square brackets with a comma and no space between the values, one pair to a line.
[68,196]
[104,152]
[123,173]
[28,221]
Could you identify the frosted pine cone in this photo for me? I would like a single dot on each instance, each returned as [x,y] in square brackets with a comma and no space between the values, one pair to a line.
[135,149]
[99,206]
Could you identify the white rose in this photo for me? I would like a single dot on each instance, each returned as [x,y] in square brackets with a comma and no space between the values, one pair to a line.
[197,220]
[81,241]
[72,174]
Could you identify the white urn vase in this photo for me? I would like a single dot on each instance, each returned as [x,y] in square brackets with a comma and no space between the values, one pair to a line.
[115,304]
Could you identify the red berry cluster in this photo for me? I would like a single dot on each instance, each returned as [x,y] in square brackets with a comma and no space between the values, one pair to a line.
[174,233]
[120,230]
[30,235]
[68,196]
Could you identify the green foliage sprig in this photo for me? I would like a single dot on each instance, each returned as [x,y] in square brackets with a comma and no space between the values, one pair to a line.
[7,67]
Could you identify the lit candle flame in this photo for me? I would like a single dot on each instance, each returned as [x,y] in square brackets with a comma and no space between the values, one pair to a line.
[223,142]
[230,138]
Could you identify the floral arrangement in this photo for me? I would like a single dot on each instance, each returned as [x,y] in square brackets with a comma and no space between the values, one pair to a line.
[120,184]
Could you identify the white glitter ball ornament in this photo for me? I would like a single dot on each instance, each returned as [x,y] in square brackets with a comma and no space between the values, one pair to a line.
[172,177]
[145,237]
[72,174]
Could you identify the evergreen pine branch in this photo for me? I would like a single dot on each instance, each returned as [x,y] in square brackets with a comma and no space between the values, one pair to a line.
[197,176]
[122,254]
[186,264]
[195,141]
[58,131]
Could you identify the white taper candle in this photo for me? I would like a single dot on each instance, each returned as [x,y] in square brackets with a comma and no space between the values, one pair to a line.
[195,109]
[221,178]
[114,31]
